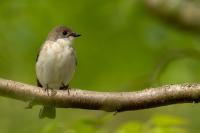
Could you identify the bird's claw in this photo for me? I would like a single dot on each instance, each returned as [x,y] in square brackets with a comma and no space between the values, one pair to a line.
[65,87]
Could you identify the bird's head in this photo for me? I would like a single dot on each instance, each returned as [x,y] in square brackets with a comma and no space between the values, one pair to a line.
[62,32]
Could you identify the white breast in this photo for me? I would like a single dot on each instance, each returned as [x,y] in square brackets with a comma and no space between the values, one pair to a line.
[56,63]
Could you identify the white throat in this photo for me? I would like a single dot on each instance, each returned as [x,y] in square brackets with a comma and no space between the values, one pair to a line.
[65,41]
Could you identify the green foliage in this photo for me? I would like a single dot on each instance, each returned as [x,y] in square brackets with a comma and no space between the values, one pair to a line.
[130,127]
[168,124]
[157,124]
[166,120]
[52,127]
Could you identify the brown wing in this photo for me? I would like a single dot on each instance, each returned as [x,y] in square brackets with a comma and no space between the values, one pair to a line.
[38,83]
[37,57]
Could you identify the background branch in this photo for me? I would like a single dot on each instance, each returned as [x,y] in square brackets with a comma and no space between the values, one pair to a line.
[184,13]
[107,101]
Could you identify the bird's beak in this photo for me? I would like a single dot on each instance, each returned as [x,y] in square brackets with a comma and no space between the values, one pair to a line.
[74,34]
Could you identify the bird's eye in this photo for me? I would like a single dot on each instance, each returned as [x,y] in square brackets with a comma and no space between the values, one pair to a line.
[64,33]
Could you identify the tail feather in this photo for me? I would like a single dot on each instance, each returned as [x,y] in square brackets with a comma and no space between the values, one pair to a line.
[47,111]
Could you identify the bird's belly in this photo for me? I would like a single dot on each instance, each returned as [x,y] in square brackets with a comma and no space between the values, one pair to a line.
[56,68]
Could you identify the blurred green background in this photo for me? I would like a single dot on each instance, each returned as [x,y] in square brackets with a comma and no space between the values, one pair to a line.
[123,48]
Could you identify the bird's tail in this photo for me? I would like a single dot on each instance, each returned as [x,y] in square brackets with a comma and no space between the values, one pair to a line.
[47,111]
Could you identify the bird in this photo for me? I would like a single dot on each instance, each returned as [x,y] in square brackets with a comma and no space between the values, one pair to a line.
[55,64]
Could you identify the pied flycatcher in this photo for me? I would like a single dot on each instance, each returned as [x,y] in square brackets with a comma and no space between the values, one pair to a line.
[55,64]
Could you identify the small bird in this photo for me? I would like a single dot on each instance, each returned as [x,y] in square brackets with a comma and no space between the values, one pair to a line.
[55,64]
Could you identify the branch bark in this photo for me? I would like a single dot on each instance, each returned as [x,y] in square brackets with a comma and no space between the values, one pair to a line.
[107,101]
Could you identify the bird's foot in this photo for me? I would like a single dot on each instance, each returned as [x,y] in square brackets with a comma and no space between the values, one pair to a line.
[65,87]
[50,92]
[53,92]
[47,89]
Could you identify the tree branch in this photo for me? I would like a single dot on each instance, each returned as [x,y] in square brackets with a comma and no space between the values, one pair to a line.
[107,101]
[184,13]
